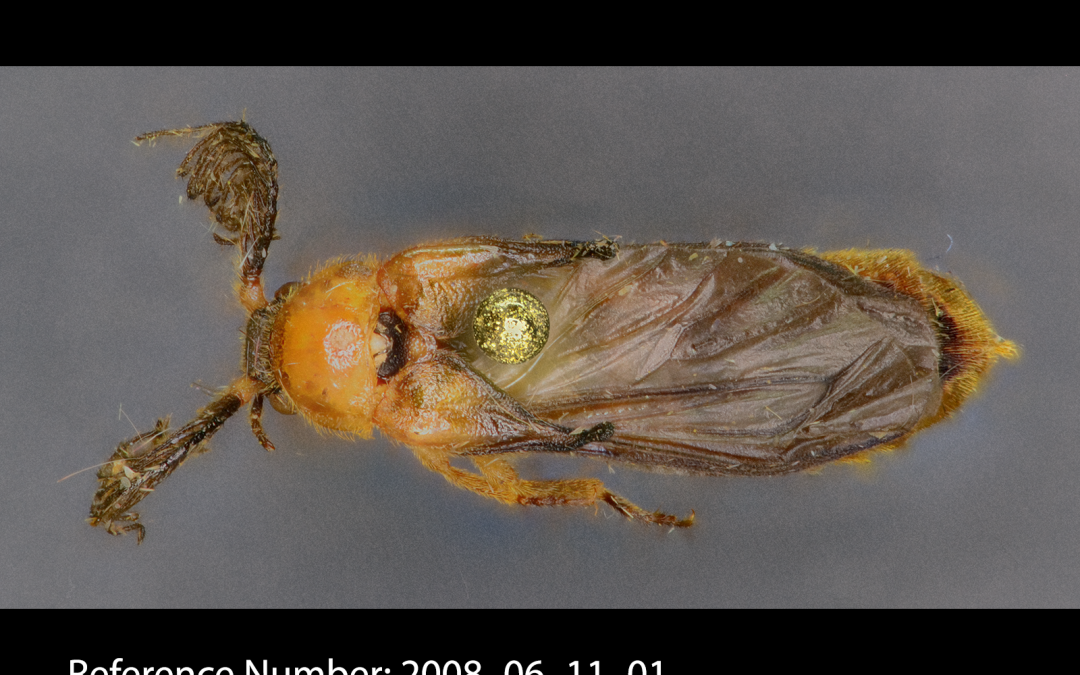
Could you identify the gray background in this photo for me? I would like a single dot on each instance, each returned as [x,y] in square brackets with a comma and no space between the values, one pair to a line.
[113,295]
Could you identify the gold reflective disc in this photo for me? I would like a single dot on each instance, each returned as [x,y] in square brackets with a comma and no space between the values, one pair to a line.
[511,325]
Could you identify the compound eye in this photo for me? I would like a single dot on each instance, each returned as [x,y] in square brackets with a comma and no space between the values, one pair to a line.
[282,404]
[285,289]
[511,325]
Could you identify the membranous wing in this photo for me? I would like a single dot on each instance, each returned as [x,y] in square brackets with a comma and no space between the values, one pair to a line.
[724,359]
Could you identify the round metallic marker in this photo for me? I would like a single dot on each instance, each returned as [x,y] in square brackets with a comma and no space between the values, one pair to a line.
[511,325]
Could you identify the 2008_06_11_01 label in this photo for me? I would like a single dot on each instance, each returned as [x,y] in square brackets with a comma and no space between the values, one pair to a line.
[430,667]
[717,358]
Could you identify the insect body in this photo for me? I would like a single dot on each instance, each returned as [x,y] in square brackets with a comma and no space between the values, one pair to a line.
[720,358]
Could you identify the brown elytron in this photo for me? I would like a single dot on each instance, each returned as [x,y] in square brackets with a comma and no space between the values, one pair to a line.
[719,358]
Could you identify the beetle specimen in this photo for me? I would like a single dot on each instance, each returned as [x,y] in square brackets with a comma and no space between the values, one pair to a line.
[719,359]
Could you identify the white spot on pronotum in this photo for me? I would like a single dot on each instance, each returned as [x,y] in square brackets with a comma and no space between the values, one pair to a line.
[342,345]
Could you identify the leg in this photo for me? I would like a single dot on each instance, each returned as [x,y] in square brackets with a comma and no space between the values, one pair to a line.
[140,463]
[500,481]
[441,408]
[255,418]
[233,169]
